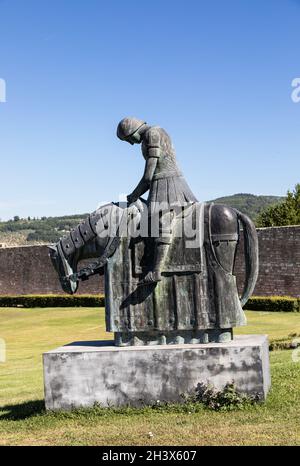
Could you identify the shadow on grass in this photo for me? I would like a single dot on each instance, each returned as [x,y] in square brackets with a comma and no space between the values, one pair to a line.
[22,410]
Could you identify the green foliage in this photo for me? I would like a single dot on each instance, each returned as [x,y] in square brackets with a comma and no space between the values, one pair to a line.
[44,236]
[227,399]
[283,214]
[249,204]
[256,303]
[290,342]
[45,229]
[32,301]
[273,304]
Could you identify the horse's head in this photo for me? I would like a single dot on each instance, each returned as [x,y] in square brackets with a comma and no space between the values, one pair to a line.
[64,268]
[92,238]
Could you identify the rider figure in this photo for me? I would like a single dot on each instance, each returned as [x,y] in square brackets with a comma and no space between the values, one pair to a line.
[162,177]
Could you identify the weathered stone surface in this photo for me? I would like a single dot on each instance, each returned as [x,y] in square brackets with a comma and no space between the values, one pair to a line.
[85,373]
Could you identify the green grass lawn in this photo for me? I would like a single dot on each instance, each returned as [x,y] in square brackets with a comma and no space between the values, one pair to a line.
[23,421]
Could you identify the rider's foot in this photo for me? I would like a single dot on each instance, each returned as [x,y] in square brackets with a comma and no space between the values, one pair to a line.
[151,277]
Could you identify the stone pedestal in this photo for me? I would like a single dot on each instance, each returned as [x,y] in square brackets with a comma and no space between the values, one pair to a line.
[84,373]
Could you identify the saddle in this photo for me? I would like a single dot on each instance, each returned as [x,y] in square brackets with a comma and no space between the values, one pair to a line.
[185,253]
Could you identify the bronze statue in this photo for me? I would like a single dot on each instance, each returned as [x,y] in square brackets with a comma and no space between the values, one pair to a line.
[189,292]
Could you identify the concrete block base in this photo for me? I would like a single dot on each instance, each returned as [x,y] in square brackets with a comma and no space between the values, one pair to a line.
[84,373]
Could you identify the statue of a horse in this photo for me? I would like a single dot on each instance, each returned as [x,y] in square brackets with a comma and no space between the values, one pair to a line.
[197,299]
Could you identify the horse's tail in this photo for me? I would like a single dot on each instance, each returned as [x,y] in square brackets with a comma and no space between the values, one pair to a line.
[251,256]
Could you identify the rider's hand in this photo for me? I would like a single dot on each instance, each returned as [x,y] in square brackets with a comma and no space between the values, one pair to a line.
[131,198]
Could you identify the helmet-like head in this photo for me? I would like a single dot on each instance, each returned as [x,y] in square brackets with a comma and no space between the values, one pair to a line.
[127,127]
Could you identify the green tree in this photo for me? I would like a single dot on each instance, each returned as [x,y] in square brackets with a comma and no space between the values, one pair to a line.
[282,214]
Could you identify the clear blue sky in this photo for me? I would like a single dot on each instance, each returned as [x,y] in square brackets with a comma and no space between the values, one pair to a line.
[215,74]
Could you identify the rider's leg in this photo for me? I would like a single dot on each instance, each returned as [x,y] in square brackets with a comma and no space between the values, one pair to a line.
[161,252]
[162,244]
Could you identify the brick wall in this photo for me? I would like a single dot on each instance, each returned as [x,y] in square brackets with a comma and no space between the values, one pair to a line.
[28,270]
[279,262]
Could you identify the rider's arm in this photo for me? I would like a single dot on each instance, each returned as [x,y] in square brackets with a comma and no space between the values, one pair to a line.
[145,182]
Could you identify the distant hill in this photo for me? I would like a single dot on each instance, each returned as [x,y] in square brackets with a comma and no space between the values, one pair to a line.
[20,231]
[249,204]
[45,230]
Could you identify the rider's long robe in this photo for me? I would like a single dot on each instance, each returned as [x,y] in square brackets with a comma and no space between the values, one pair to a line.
[168,187]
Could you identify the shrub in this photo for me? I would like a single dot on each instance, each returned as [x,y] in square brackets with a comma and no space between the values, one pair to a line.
[44,235]
[266,304]
[273,304]
[226,399]
[29,301]
[292,341]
